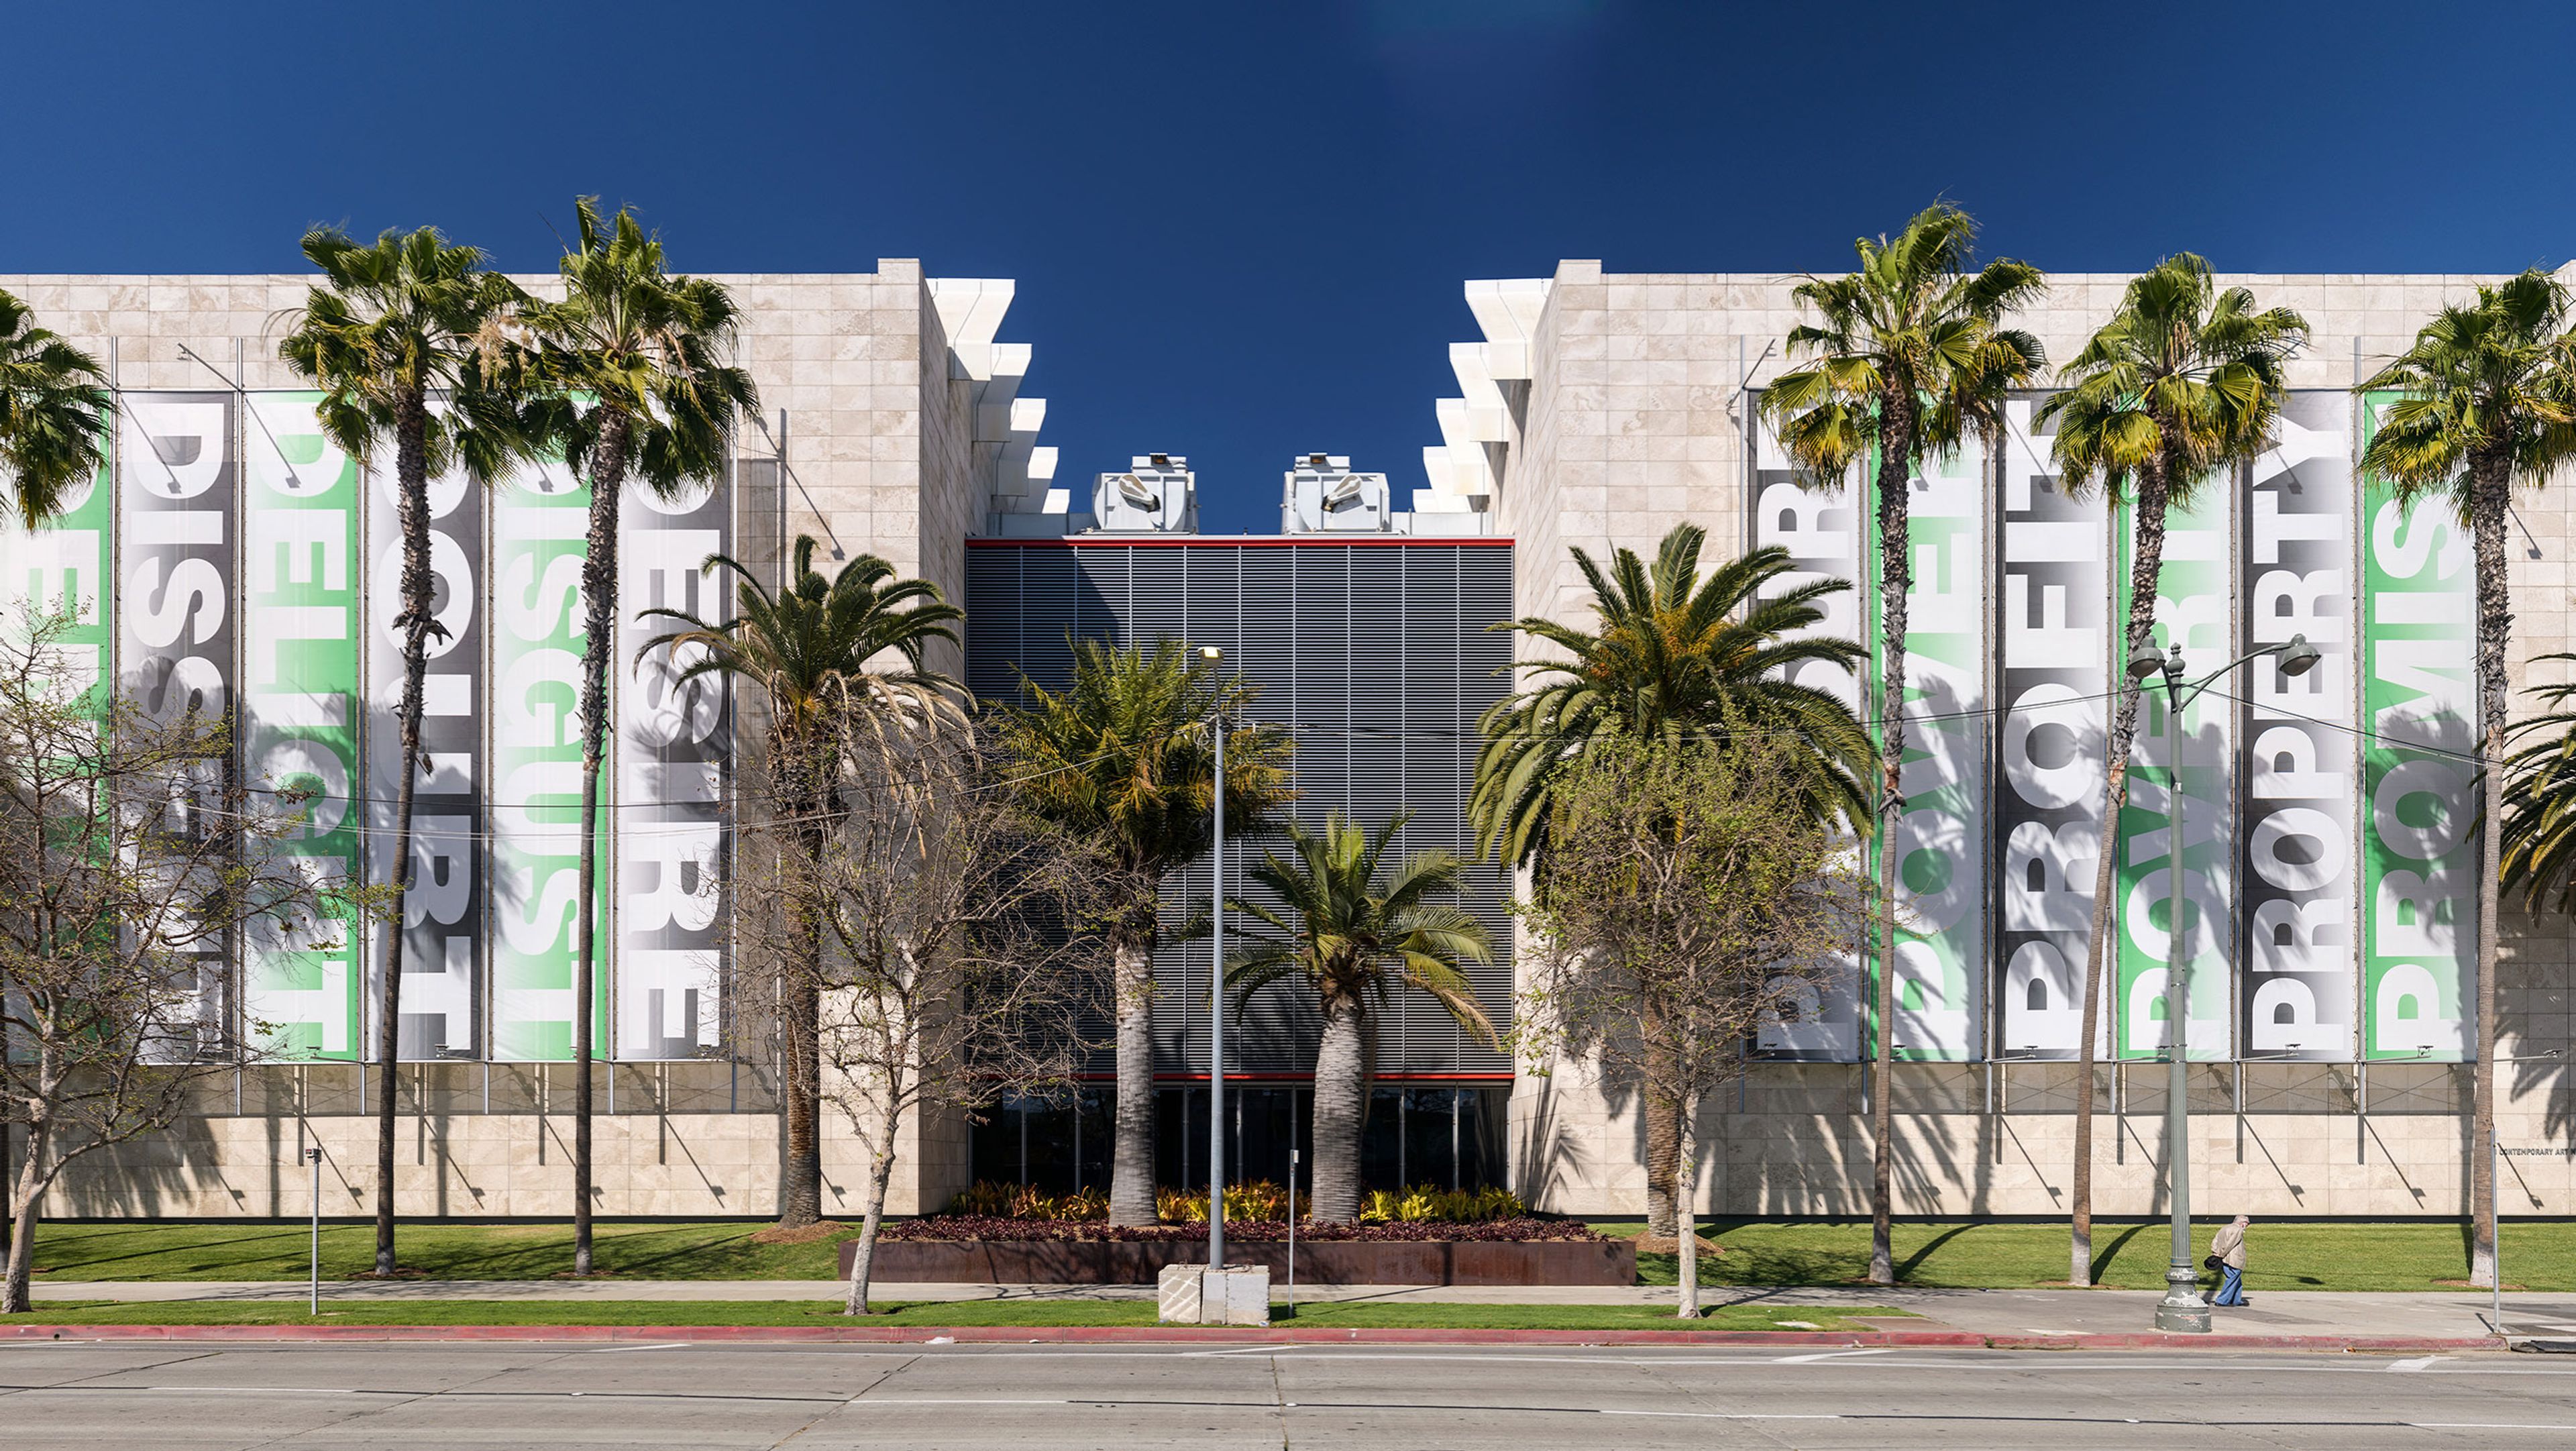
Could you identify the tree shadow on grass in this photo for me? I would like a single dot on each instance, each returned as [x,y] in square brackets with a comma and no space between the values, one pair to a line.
[2102,1258]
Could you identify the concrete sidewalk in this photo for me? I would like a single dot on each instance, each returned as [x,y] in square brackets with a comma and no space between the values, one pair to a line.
[1985,1312]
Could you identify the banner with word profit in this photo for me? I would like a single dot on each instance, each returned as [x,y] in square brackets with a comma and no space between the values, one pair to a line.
[444,914]
[537,638]
[673,743]
[2419,848]
[300,707]
[2053,641]
[1940,840]
[2195,611]
[2300,759]
[1822,531]
[179,464]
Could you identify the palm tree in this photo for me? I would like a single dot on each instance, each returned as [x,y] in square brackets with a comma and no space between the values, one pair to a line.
[1676,657]
[1121,757]
[2182,384]
[2539,853]
[630,362]
[2490,402]
[54,408]
[1907,356]
[813,650]
[1344,929]
[390,326]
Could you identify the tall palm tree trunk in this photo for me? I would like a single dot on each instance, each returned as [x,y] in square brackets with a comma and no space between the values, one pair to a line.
[1340,1083]
[420,598]
[2490,481]
[2146,568]
[800,1187]
[1131,1167]
[1896,582]
[599,599]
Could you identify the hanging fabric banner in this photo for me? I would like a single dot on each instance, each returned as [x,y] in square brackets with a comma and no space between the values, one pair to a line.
[2298,875]
[300,704]
[673,743]
[59,569]
[443,928]
[537,552]
[179,463]
[2054,650]
[2419,767]
[1941,838]
[1822,531]
[2195,594]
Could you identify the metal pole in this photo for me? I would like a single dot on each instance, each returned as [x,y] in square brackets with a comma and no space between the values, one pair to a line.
[1216,995]
[2182,1310]
[1290,1313]
[316,1156]
[2495,1251]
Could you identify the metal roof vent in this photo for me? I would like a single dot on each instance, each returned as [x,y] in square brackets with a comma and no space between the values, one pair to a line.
[1324,495]
[1157,495]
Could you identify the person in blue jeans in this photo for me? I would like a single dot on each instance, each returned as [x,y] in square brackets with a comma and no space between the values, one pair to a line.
[2228,1248]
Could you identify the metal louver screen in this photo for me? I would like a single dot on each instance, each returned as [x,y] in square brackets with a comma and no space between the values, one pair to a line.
[1377,656]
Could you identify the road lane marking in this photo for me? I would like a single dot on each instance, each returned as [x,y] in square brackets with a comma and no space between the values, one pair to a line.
[614,1349]
[2421,1362]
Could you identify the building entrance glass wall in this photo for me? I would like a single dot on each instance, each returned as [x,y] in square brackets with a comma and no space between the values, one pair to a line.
[1448,1137]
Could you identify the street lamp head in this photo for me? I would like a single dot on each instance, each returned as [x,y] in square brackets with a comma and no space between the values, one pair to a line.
[2146,663]
[2298,657]
[1210,652]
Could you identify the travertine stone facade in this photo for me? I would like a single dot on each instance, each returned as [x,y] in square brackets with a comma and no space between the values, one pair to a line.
[1625,416]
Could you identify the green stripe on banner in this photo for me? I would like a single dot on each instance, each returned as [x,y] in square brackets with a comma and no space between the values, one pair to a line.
[300,713]
[2419,838]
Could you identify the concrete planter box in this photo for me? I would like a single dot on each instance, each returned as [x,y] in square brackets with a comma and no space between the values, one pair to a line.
[1328,1262]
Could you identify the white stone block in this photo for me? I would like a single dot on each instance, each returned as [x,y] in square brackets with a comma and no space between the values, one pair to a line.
[1238,1295]
[1177,1294]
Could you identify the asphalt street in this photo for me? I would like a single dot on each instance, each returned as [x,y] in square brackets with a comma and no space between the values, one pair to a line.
[208,1396]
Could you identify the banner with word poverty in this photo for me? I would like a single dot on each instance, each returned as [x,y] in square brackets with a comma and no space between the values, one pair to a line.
[2328,891]
[232,560]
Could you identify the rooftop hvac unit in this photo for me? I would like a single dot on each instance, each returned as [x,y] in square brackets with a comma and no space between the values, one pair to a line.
[1157,495]
[1324,496]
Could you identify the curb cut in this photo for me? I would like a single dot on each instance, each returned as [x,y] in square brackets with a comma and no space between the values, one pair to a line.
[1238,1335]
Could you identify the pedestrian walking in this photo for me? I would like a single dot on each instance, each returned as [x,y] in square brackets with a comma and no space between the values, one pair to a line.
[2227,1256]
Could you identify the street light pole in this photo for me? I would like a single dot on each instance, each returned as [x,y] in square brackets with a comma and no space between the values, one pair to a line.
[1216,991]
[2183,1311]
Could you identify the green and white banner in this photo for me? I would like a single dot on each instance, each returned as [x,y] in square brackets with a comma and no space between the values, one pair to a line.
[60,569]
[1940,841]
[2195,592]
[540,521]
[300,717]
[2419,773]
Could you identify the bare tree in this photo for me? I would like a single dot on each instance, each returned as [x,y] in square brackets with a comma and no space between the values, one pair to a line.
[953,969]
[1690,896]
[126,860]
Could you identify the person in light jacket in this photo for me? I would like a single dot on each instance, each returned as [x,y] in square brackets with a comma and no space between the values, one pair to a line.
[2228,1248]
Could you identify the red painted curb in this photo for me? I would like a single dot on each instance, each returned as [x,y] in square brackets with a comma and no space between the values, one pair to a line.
[1275,1335]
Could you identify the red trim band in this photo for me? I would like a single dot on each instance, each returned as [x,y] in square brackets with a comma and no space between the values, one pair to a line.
[1245,541]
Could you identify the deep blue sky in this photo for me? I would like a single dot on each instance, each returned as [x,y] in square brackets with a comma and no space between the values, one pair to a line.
[1239,228]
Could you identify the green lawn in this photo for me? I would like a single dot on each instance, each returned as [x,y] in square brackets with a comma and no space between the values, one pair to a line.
[926,1315]
[2132,1255]
[217,1251]
[2126,1254]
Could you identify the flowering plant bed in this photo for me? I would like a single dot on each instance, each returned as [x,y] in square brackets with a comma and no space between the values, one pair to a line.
[958,1249]
[994,1227]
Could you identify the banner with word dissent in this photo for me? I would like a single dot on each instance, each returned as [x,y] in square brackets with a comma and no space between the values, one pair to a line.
[2419,848]
[444,909]
[1940,841]
[2295,997]
[179,467]
[299,721]
[2194,609]
[2053,641]
[673,743]
[539,522]
[1822,530]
